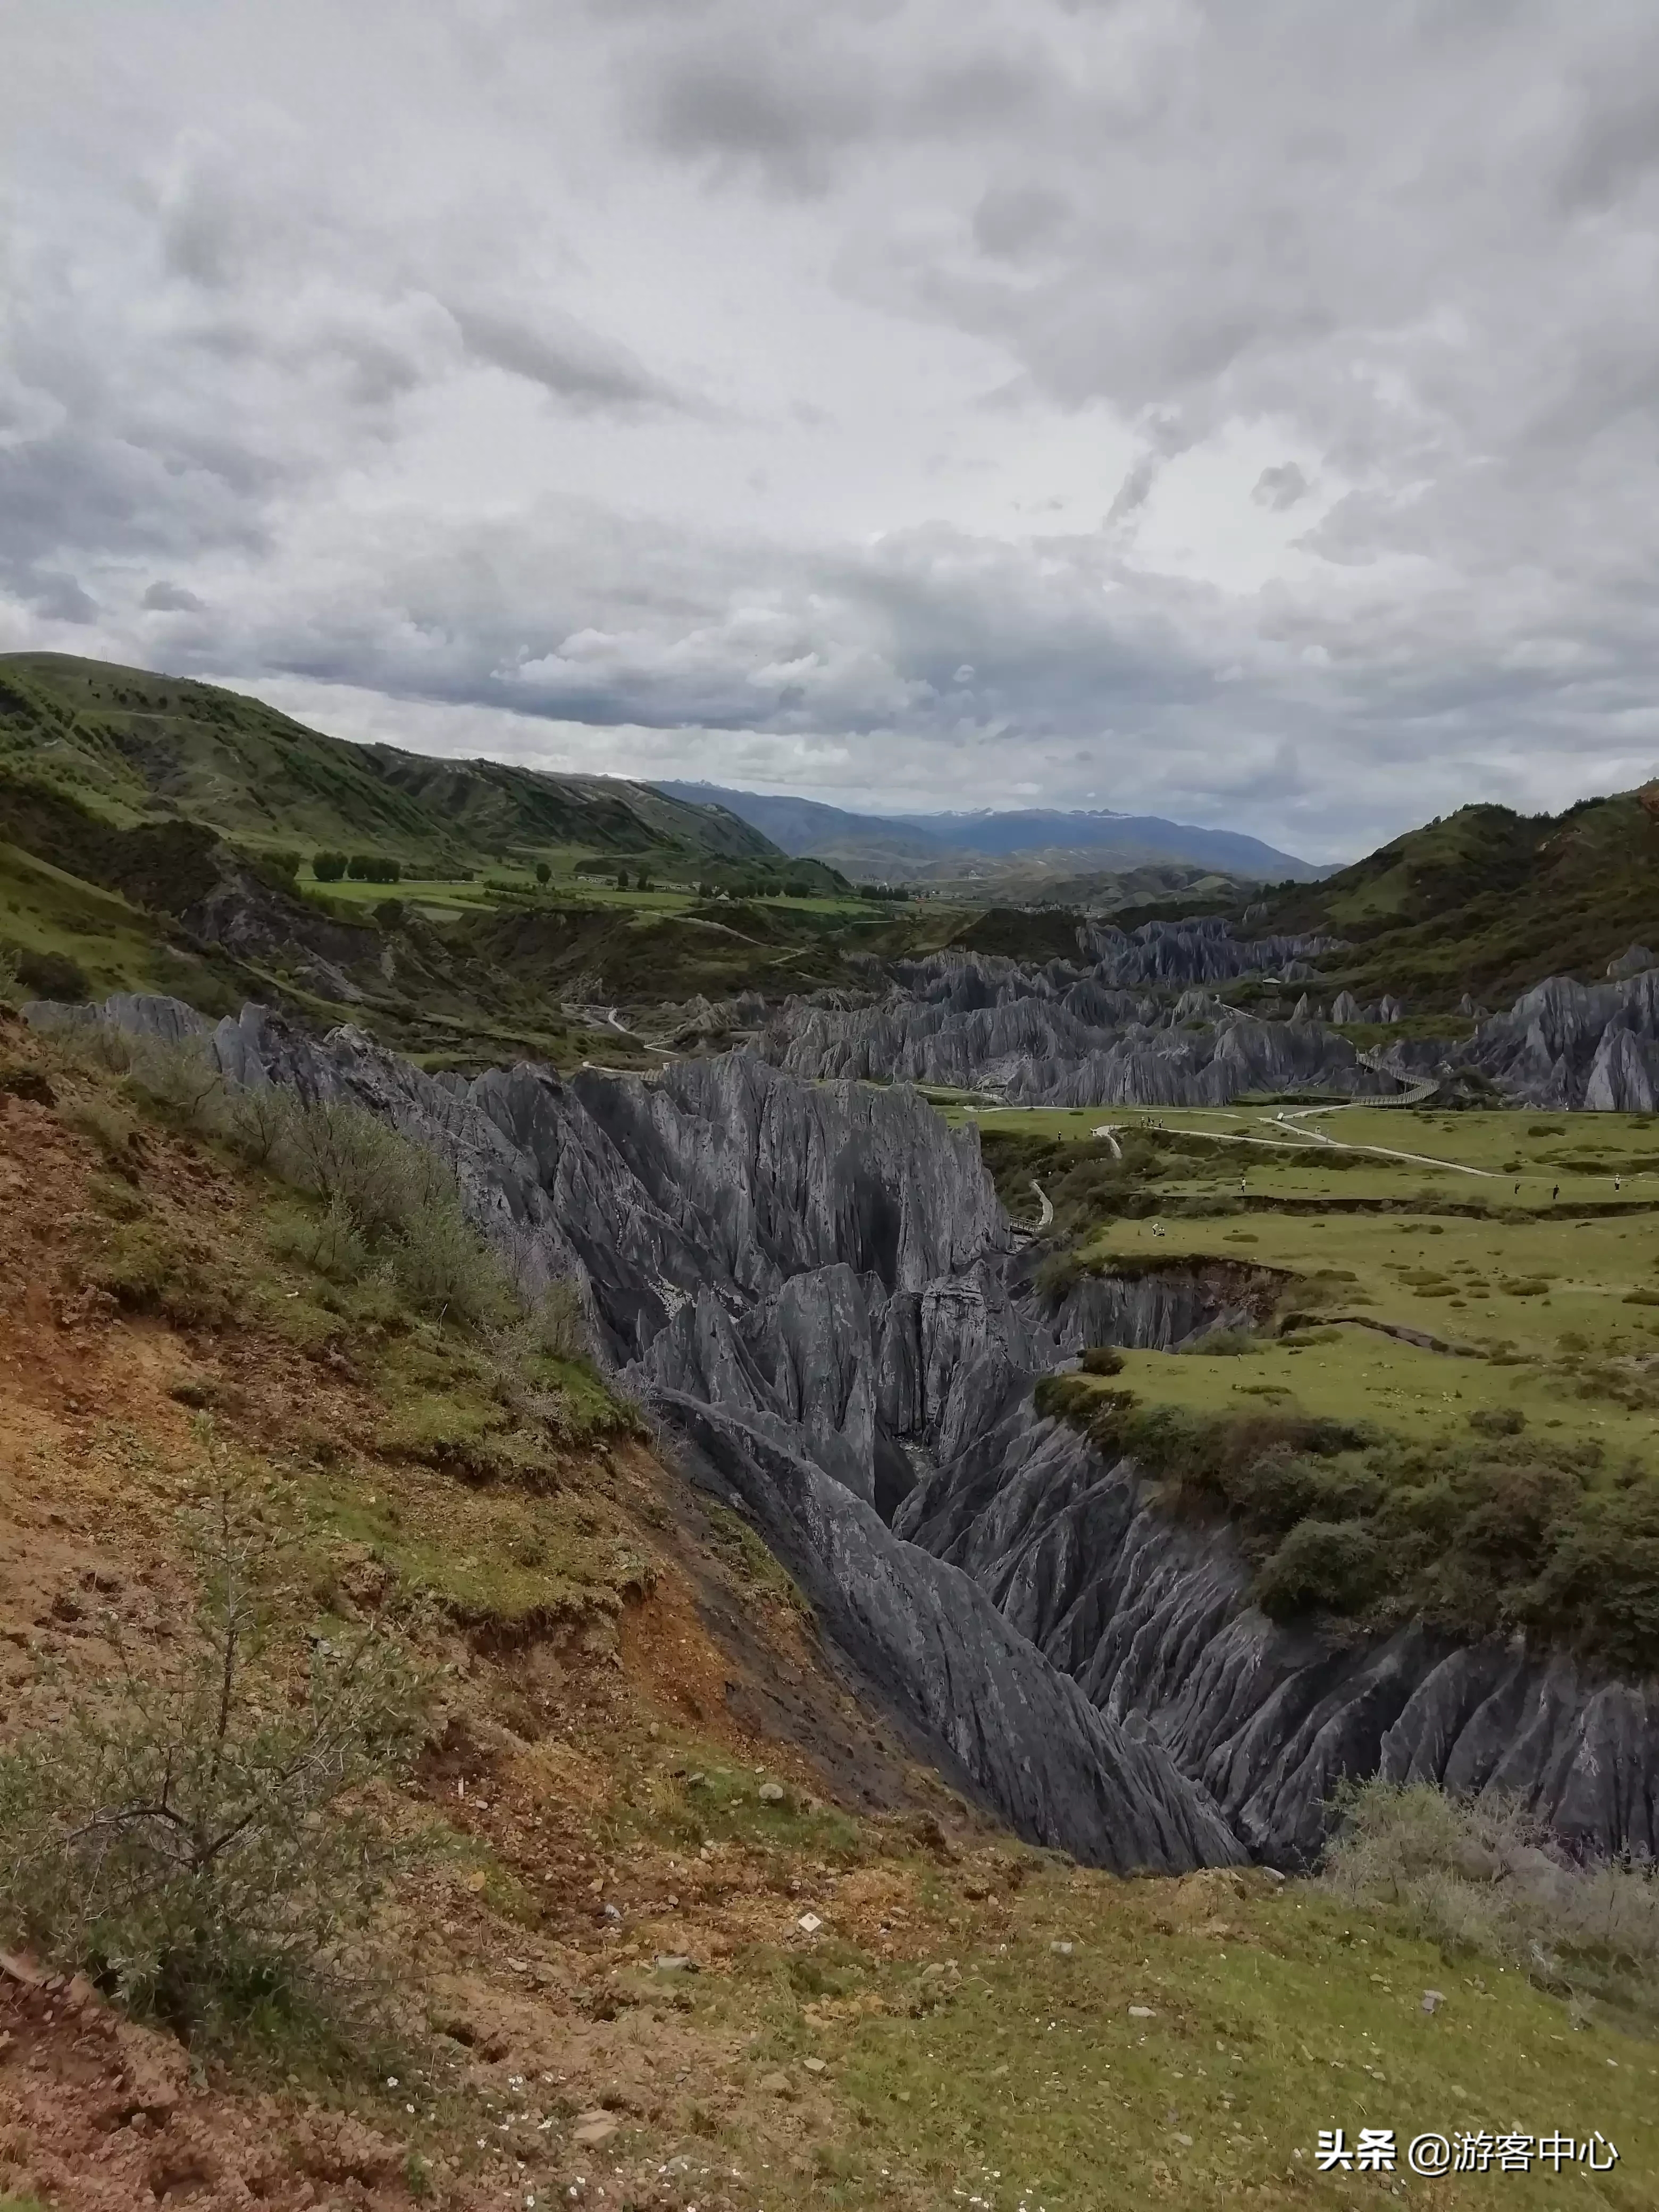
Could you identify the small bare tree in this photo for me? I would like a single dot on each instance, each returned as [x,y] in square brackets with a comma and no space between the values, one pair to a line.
[197,1839]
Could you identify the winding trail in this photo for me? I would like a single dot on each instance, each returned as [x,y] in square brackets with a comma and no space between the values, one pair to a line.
[1046,1202]
[1289,1114]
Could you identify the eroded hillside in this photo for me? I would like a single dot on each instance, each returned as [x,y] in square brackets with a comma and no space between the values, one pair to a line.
[689,1925]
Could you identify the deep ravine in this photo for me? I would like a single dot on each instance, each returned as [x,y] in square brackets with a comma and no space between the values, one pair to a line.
[814,1288]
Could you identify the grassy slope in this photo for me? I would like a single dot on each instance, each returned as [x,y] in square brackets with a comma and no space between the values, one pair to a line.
[611,1748]
[104,771]
[131,743]
[1543,1299]
[1485,901]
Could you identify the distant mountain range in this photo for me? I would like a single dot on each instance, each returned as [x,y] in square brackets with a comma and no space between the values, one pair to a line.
[926,844]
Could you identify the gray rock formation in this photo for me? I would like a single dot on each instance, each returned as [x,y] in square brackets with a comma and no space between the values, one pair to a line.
[1140,1027]
[1571,1044]
[805,1280]
[1135,1022]
[1152,1619]
[816,1286]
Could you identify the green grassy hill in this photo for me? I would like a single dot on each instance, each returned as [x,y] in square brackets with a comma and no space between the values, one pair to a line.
[1487,900]
[161,834]
[135,747]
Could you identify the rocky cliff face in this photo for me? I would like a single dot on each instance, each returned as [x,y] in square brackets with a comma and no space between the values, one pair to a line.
[1152,1620]
[815,1289]
[1132,1023]
[805,1281]
[1565,1043]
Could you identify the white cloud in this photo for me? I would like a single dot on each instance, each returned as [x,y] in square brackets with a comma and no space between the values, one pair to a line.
[1249,415]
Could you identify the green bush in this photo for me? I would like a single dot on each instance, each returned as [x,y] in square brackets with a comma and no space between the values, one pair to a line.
[182,1078]
[197,1845]
[329,1241]
[328,867]
[53,975]
[443,1267]
[1228,1343]
[1322,1566]
[1498,1420]
[1102,1359]
[256,1120]
[1481,1877]
[348,1158]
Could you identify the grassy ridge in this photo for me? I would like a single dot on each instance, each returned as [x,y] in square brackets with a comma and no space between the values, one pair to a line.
[1485,901]
[131,745]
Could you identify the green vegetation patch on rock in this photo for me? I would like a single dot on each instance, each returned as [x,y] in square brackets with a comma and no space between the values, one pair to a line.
[1503,1532]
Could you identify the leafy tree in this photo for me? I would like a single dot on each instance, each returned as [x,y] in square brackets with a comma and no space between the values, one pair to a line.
[543,873]
[328,867]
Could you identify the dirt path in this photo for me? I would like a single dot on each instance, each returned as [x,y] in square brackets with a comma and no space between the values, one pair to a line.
[1287,1114]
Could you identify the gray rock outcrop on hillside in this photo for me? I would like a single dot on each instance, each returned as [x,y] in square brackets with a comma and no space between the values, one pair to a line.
[1135,1022]
[805,1280]
[816,1285]
[1012,1729]
[1152,1619]
[1565,1043]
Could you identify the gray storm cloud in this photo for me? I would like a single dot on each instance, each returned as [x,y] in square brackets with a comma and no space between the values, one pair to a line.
[1259,403]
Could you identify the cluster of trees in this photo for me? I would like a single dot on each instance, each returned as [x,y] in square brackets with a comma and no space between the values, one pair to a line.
[360,867]
[894,891]
[641,881]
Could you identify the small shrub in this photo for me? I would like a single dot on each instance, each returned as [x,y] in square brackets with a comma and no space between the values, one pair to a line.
[182,1078]
[443,1266]
[1102,1359]
[195,1843]
[257,1121]
[53,975]
[1498,1420]
[1227,1343]
[347,1159]
[1057,1274]
[110,1127]
[1333,1566]
[329,1241]
[1480,1876]
[559,1324]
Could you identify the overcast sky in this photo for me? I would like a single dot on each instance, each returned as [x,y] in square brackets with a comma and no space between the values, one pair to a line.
[1242,412]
